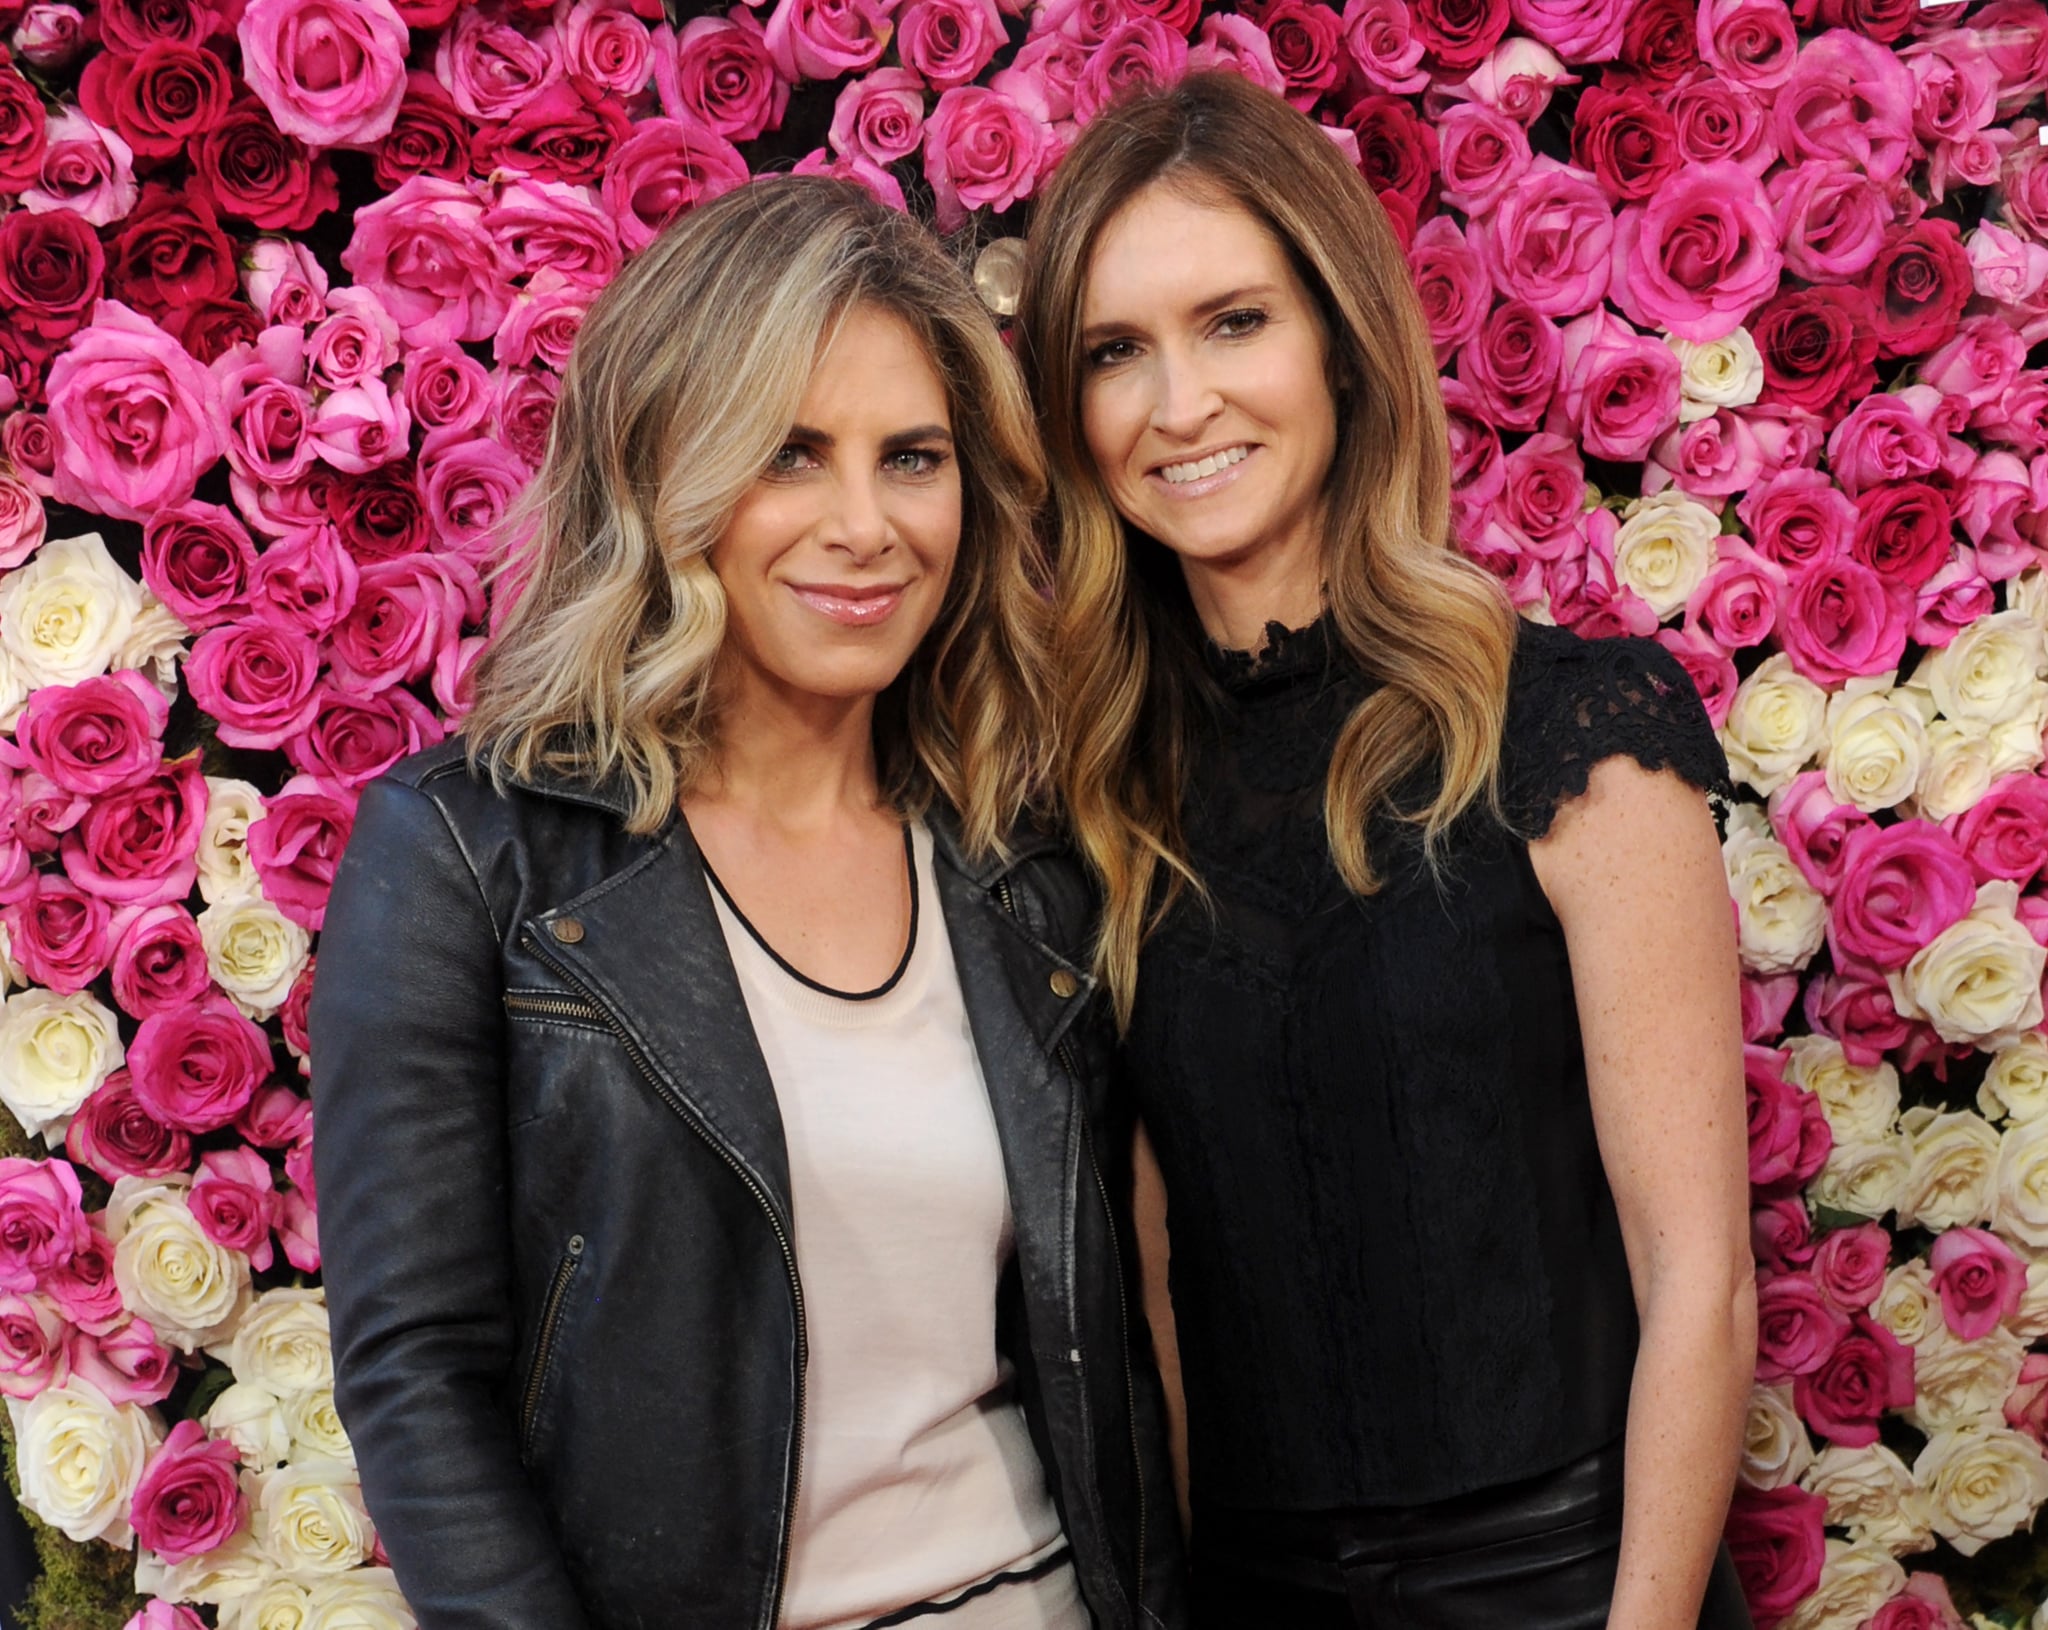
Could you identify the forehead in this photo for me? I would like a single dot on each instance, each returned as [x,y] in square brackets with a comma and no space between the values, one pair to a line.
[1169,249]
[873,364]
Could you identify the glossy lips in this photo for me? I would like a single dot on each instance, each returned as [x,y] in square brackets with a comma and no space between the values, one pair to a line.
[851,606]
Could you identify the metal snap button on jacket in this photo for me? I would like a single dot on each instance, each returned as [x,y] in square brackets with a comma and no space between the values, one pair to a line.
[566,929]
[1063,983]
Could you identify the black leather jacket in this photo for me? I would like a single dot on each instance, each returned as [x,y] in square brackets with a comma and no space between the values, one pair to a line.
[555,1215]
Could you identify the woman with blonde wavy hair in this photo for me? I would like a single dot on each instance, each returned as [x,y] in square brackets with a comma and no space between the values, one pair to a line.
[1415,920]
[704,1064]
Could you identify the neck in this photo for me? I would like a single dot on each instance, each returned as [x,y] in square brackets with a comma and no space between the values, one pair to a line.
[1276,583]
[800,763]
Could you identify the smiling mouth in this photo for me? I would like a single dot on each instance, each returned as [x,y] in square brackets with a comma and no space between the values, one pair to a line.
[1179,475]
[851,606]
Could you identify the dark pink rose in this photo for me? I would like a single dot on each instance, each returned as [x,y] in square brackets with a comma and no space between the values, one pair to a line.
[159,960]
[720,74]
[1460,34]
[42,1219]
[277,1115]
[1308,48]
[1832,219]
[948,42]
[1869,1371]
[255,678]
[60,934]
[1918,286]
[1814,829]
[292,1020]
[446,389]
[981,151]
[354,739]
[34,1337]
[1849,1266]
[1550,239]
[189,1500]
[1619,389]
[1781,1235]
[1900,886]
[1849,98]
[489,67]
[1891,436]
[306,581]
[561,135]
[1924,1604]
[1715,120]
[1626,138]
[429,136]
[604,44]
[1858,1013]
[379,514]
[130,1366]
[1752,42]
[1776,1540]
[84,1287]
[2005,833]
[1481,154]
[1819,349]
[94,737]
[198,559]
[1511,366]
[1737,605]
[235,1202]
[1788,1130]
[1798,516]
[1451,284]
[297,844]
[331,72]
[1796,1327]
[1902,532]
[1698,255]
[880,117]
[406,610]
[196,1068]
[1712,673]
[1385,46]
[139,846]
[424,252]
[1979,1279]
[665,169]
[826,39]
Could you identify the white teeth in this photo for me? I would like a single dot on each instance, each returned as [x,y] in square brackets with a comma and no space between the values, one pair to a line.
[1176,474]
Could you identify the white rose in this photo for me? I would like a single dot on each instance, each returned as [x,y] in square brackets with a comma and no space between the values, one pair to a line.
[1986,1482]
[1961,761]
[1990,672]
[1860,1100]
[80,1457]
[1864,1175]
[254,952]
[250,1417]
[317,1432]
[1877,743]
[1871,1492]
[225,870]
[1780,919]
[1907,1306]
[14,689]
[1665,547]
[279,1603]
[364,1599]
[282,1344]
[189,1288]
[310,1517]
[2016,1081]
[2030,1320]
[1775,1448]
[1948,1184]
[2028,595]
[1776,724]
[2019,1184]
[65,613]
[1717,374]
[1855,1581]
[1978,980]
[1956,1382]
[219,1577]
[54,1053]
[155,645]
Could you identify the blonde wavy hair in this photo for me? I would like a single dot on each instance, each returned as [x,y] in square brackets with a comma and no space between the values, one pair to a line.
[1434,629]
[685,380]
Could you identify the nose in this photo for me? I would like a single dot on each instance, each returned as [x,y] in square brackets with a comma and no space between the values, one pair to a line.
[858,523]
[1187,399]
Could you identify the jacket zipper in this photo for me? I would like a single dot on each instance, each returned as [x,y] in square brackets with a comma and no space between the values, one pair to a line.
[544,1348]
[552,1007]
[1116,1257]
[675,1101]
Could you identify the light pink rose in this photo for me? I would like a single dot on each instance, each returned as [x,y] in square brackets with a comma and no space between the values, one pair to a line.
[356,341]
[454,679]
[255,678]
[1900,886]
[1975,161]
[331,72]
[1814,829]
[51,36]
[269,415]
[1978,364]
[1518,77]
[719,72]
[1232,44]
[1737,605]
[235,1202]
[1381,37]
[827,39]
[879,116]
[1752,42]
[665,169]
[1850,1265]
[361,427]
[1550,240]
[159,963]
[42,1219]
[1713,457]
[22,522]
[1831,219]
[34,1337]
[880,184]
[85,169]
[1955,85]
[1482,154]
[189,1500]
[603,43]
[137,420]
[1952,599]
[2004,266]
[60,934]
[543,322]
[97,736]
[489,68]
[277,1115]
[284,282]
[948,42]
[1979,1279]
[426,254]
[1619,389]
[981,151]
[2026,1407]
[296,845]
[1577,30]
[1847,97]
[556,226]
[1140,52]
[130,1366]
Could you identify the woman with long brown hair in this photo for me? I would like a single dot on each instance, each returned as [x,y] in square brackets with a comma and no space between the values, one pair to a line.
[1415,918]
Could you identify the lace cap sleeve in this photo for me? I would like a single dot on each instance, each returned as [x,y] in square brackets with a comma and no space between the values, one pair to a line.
[1573,702]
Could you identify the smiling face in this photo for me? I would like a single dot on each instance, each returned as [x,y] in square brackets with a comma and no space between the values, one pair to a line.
[1205,395]
[836,561]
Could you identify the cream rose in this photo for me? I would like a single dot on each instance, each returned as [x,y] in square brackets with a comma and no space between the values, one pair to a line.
[316,1429]
[66,613]
[1665,547]
[1776,724]
[1871,1492]
[1985,1482]
[1948,1183]
[1855,1581]
[1862,1101]
[251,1418]
[1716,374]
[1990,672]
[279,1603]
[310,1517]
[2016,1080]
[1907,1306]
[363,1599]
[1956,1382]
[282,1344]
[219,1577]
[1775,1448]
[1961,762]
[1876,748]
[254,952]
[190,1289]
[1978,980]
[14,689]
[225,869]
[54,1053]
[80,1457]
[155,645]
[2030,1320]
[2019,1185]
[2028,595]
[1780,919]
[1864,1175]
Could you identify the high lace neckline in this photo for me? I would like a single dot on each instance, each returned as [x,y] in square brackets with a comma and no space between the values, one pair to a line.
[1287,654]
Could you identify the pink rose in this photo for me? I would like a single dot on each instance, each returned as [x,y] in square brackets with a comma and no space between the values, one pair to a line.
[718,73]
[306,581]
[196,1067]
[1978,364]
[331,72]
[454,679]
[826,39]
[1781,1234]
[189,1500]
[1955,86]
[1847,97]
[1796,1328]
[1888,437]
[297,844]
[139,847]
[665,169]
[1798,516]
[42,1219]
[97,736]
[235,1202]
[1765,1001]
[542,326]
[2026,1407]
[2005,833]
[1542,501]
[33,1341]
[1737,605]
[1619,390]
[1776,1540]
[284,282]
[198,559]
[1511,365]
[84,1288]
[159,1614]
[1308,48]
[1714,457]
[1850,1265]
[356,341]
[1924,1604]
[354,739]
[2003,265]
[1715,119]
[1858,1013]
[489,68]
[130,1366]
[269,411]
[159,962]
[878,182]
[1788,1130]
[117,1137]
[1451,284]
[1900,886]
[1868,1372]
[1482,153]
[1752,42]
[445,389]
[255,678]
[60,934]
[1979,1279]
[526,400]
[361,427]
[1550,239]
[136,418]
[1577,30]
[1814,829]
[948,42]
[424,252]
[880,117]
[277,1115]
[981,151]
[551,224]
[468,485]
[406,610]
[21,522]
[1697,256]
[1140,52]
[2014,35]
[85,169]
[1232,44]
[1713,675]
[604,44]
[1831,218]
[1385,46]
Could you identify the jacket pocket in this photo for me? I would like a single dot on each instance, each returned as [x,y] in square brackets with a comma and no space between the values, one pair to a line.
[551,1310]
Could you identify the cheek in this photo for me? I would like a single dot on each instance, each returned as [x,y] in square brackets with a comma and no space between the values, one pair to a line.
[1108,408]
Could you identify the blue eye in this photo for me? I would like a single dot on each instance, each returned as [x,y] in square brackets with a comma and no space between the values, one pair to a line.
[789,458]
[915,460]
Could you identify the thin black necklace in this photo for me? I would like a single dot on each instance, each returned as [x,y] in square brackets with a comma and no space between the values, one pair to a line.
[804,979]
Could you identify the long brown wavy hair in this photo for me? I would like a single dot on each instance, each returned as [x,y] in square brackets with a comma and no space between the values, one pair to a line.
[1430,626]
[685,379]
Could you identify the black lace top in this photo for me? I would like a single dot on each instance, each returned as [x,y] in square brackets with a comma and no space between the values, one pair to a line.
[1397,1271]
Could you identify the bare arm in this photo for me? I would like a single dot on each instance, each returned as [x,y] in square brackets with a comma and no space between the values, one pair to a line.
[1634,873]
[1148,1213]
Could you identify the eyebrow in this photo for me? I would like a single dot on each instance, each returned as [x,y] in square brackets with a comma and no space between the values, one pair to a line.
[1094,333]
[916,436]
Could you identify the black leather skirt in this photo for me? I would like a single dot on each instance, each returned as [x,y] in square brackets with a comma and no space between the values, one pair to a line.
[1534,1555]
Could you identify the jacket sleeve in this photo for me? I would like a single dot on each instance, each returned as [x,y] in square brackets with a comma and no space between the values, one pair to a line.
[408,1055]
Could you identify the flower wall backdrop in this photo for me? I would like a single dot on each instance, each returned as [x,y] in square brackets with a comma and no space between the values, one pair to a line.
[1735,303]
